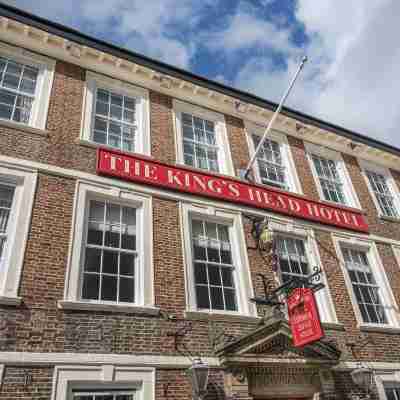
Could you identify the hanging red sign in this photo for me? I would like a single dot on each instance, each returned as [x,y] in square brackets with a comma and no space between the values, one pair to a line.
[303,317]
[148,171]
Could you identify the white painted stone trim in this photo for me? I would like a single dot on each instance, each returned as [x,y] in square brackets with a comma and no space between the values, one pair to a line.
[122,308]
[382,378]
[141,95]
[143,360]
[225,163]
[139,378]
[380,276]
[145,278]
[242,275]
[325,152]
[394,190]
[46,67]
[2,368]
[19,222]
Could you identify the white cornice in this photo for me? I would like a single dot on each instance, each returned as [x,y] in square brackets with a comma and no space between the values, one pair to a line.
[24,359]
[54,46]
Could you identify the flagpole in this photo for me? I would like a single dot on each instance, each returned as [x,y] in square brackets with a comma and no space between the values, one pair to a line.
[271,122]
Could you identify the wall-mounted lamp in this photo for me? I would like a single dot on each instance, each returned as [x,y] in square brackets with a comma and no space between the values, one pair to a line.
[362,377]
[198,374]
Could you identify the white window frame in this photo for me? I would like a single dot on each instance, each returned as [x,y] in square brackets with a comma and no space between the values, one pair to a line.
[224,155]
[90,391]
[141,95]
[391,183]
[24,181]
[44,83]
[241,274]
[386,294]
[144,292]
[117,377]
[382,378]
[323,297]
[396,252]
[348,188]
[293,181]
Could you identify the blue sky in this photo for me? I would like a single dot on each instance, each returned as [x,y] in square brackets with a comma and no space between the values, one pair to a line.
[255,45]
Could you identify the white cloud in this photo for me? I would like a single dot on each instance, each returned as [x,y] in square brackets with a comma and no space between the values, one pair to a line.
[244,29]
[352,76]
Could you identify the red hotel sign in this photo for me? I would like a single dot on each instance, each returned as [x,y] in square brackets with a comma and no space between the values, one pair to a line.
[303,317]
[145,170]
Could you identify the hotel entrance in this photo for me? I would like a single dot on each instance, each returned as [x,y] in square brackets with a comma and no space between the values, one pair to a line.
[265,365]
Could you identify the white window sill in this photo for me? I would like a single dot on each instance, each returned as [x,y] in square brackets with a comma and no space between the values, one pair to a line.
[198,170]
[395,330]
[22,127]
[122,308]
[333,326]
[215,316]
[10,301]
[390,219]
[345,207]
[94,145]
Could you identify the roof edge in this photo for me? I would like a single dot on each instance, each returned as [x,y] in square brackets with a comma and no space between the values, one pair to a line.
[89,41]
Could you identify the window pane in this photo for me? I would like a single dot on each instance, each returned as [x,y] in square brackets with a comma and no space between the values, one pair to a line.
[200,273]
[214,275]
[126,290]
[202,297]
[96,212]
[128,228]
[109,288]
[93,260]
[5,111]
[112,236]
[230,299]
[113,215]
[227,278]
[7,97]
[90,289]
[127,264]
[95,233]
[110,262]
[217,300]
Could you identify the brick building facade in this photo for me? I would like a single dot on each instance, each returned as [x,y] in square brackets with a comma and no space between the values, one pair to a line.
[107,286]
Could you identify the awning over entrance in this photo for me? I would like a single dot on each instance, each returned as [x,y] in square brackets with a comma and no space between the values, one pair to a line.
[271,367]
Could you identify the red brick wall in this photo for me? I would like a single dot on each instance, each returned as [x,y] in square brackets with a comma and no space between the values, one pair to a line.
[15,385]
[303,168]
[38,325]
[162,128]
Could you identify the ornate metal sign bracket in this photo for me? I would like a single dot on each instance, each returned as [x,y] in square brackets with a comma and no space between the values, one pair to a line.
[274,298]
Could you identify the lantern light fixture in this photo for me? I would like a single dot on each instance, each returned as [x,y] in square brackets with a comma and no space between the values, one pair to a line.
[362,377]
[198,374]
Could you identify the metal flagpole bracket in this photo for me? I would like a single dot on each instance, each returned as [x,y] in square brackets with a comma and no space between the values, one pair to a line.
[244,174]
